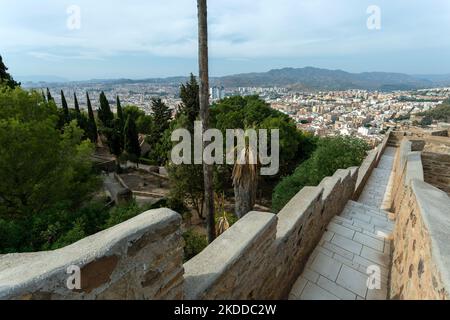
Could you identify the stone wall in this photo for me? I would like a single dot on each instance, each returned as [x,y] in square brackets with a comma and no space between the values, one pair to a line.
[421,253]
[437,170]
[259,257]
[138,259]
[262,255]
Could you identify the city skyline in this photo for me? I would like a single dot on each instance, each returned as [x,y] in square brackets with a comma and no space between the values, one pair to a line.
[147,39]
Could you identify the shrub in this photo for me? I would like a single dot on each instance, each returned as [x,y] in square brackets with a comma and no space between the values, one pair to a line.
[332,153]
[194,244]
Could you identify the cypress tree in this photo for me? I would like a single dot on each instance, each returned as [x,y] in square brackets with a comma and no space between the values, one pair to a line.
[120,113]
[49,96]
[132,146]
[5,77]
[92,126]
[105,114]
[77,106]
[115,139]
[43,96]
[65,107]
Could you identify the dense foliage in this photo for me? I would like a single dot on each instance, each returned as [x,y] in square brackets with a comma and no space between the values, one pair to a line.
[332,153]
[46,173]
[5,78]
[251,112]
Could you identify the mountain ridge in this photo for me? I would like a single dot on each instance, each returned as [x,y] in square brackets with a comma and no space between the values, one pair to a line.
[307,78]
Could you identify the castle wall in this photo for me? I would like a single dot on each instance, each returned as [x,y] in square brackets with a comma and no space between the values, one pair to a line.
[262,255]
[259,257]
[421,253]
[437,170]
[138,259]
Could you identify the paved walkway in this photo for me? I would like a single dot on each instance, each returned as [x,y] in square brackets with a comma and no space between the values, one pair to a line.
[356,241]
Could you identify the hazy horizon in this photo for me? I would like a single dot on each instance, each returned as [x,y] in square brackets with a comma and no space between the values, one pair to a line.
[157,39]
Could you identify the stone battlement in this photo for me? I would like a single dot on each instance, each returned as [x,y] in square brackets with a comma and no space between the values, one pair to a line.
[259,257]
[421,255]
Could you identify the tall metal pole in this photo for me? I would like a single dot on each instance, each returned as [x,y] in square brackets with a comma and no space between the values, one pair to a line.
[204,112]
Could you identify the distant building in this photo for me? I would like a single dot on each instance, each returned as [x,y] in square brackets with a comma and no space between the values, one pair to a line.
[217,93]
[366,131]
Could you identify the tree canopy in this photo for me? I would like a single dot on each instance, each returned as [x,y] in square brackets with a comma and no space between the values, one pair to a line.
[332,153]
[44,165]
[5,77]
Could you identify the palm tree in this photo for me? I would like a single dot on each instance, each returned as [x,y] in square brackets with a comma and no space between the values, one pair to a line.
[245,180]
[204,112]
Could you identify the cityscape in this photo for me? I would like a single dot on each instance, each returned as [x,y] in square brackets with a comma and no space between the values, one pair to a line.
[363,113]
[231,158]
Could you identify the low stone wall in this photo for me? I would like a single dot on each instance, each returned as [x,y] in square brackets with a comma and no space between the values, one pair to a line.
[138,259]
[235,265]
[421,253]
[262,255]
[437,170]
[259,257]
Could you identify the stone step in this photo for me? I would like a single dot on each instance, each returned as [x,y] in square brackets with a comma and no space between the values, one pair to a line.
[364,228]
[360,218]
[351,205]
[338,269]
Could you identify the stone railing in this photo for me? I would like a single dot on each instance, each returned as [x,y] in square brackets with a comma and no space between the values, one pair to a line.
[138,259]
[262,255]
[259,257]
[421,255]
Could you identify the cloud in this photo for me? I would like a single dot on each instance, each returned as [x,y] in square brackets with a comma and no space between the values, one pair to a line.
[239,29]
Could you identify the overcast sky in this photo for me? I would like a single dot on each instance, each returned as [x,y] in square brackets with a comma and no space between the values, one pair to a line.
[157,38]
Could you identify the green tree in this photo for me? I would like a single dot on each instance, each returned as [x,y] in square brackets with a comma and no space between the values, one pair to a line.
[132,146]
[161,122]
[39,165]
[189,94]
[186,180]
[144,124]
[91,125]
[162,115]
[65,108]
[115,136]
[133,111]
[77,106]
[120,113]
[5,77]
[105,114]
[332,153]
[49,96]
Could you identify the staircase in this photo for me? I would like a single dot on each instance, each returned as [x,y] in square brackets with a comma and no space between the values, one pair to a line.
[356,244]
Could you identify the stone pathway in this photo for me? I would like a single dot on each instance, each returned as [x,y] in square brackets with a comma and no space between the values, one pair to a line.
[355,244]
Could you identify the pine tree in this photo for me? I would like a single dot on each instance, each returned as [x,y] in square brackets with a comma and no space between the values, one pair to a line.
[65,108]
[5,77]
[189,94]
[120,113]
[132,146]
[92,126]
[43,96]
[161,115]
[49,96]
[105,114]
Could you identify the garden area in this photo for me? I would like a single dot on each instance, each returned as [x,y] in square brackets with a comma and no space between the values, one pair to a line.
[51,192]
